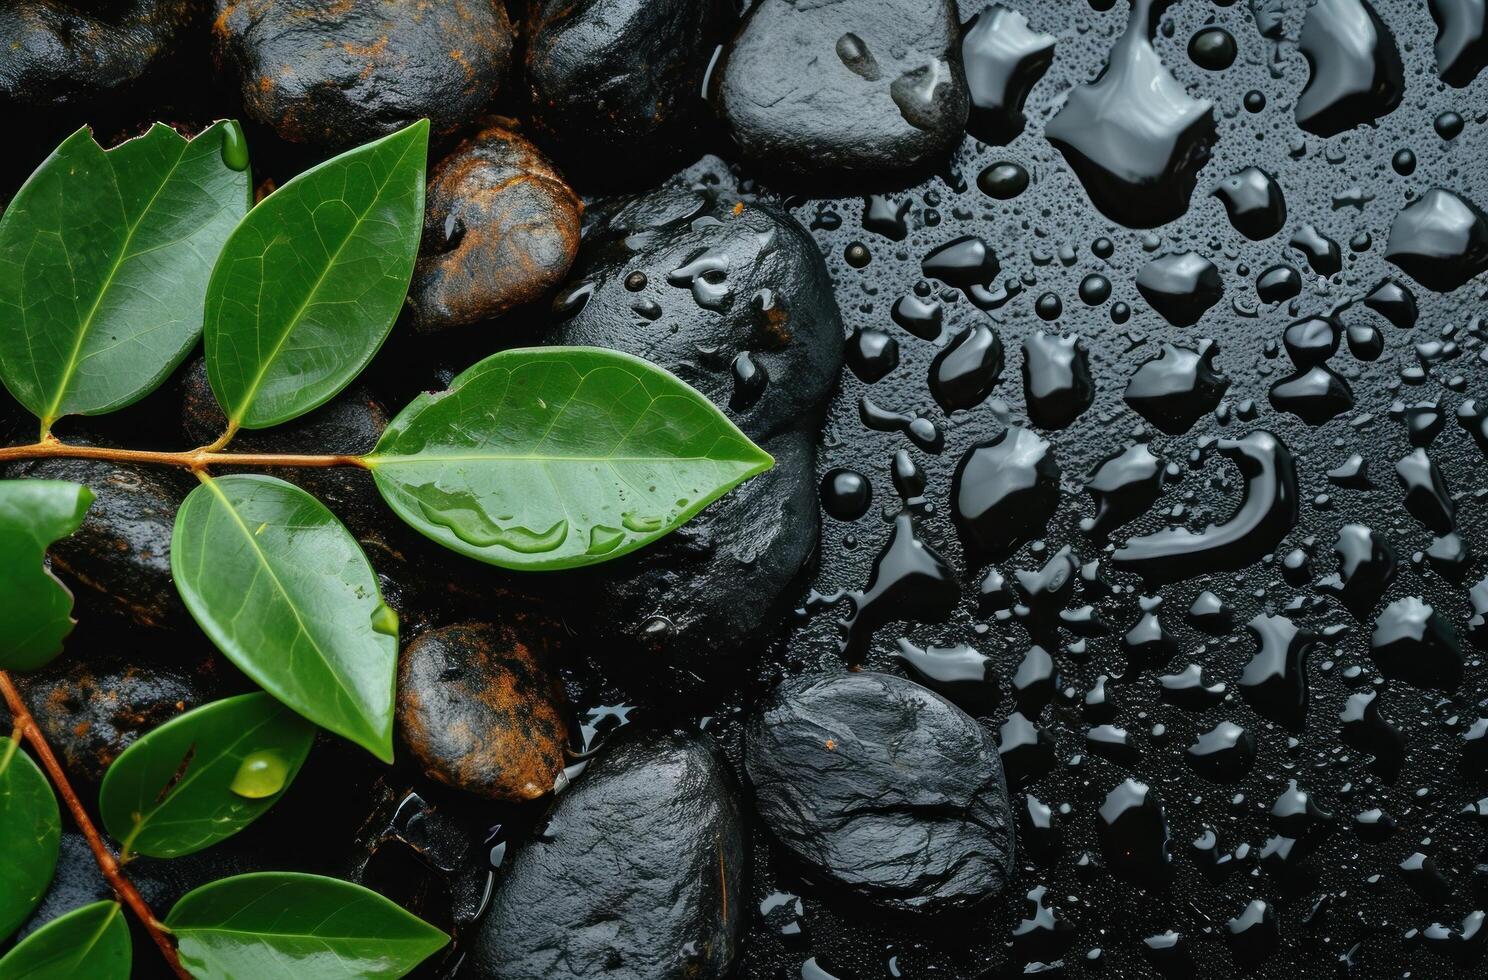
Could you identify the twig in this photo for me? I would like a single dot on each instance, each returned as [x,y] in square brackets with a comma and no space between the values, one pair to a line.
[191,459]
[107,863]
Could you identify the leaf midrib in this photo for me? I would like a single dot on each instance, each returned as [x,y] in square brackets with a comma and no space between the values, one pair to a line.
[294,608]
[246,402]
[73,360]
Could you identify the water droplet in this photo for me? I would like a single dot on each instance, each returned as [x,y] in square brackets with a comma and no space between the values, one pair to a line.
[1212,48]
[234,146]
[385,620]
[260,775]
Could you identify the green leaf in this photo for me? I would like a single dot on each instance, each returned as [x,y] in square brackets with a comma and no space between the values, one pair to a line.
[276,925]
[551,457]
[91,942]
[179,788]
[285,592]
[35,608]
[309,285]
[31,827]
[104,262]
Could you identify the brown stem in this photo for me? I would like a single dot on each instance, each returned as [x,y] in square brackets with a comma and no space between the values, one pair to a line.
[191,459]
[107,863]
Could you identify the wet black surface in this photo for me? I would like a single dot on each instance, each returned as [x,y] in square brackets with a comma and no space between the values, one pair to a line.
[1241,714]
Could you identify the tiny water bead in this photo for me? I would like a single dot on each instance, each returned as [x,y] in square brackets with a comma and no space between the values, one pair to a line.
[1212,48]
[1049,306]
[1255,101]
[260,775]
[1448,125]
[857,255]
[1003,180]
[1404,162]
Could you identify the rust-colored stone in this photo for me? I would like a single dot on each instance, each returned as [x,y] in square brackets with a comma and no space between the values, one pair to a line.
[480,711]
[335,73]
[501,228]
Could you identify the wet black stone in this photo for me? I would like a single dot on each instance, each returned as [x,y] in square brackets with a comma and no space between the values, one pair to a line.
[616,86]
[815,89]
[62,56]
[1180,287]
[1254,202]
[1003,58]
[338,75]
[718,581]
[650,840]
[1440,240]
[1355,72]
[119,559]
[726,280]
[883,789]
[92,709]
[1174,389]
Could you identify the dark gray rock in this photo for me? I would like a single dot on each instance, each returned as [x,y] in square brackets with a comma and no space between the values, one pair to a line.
[120,556]
[692,277]
[703,591]
[883,788]
[68,54]
[617,85]
[92,711]
[640,875]
[335,75]
[852,86]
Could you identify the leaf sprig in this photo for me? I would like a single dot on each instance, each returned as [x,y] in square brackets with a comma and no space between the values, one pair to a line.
[113,263]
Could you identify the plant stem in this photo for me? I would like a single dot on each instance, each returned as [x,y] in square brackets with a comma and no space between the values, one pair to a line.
[107,863]
[191,459]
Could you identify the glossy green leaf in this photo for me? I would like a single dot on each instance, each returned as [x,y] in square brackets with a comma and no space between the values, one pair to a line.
[309,285]
[173,791]
[104,262]
[91,942]
[30,826]
[552,457]
[35,608]
[286,926]
[286,593]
